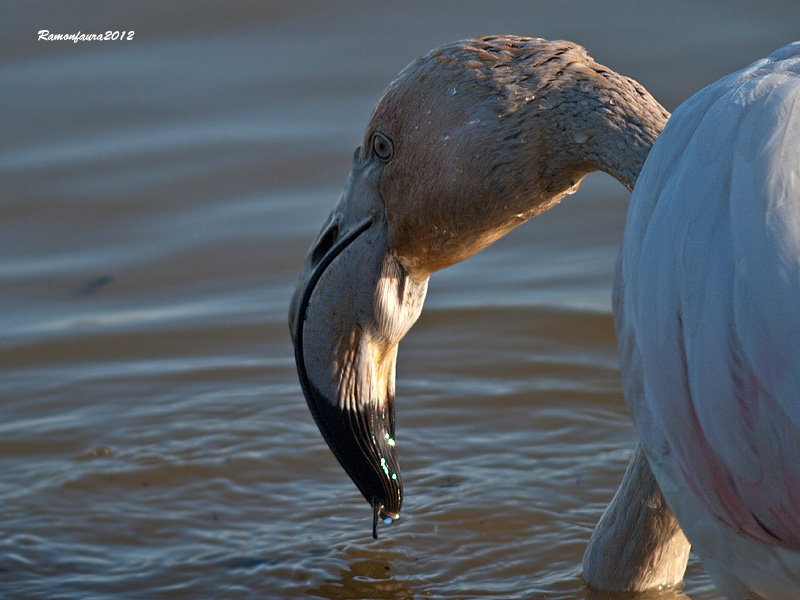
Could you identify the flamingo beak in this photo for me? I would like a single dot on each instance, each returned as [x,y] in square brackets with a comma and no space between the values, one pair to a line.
[353,303]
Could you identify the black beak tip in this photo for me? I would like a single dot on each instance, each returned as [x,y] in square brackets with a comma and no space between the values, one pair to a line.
[363,442]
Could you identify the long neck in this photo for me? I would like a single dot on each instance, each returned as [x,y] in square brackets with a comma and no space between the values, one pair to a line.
[637,544]
[558,120]
[524,121]
[599,120]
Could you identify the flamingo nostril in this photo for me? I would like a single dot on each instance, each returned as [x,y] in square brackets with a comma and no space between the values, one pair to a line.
[326,242]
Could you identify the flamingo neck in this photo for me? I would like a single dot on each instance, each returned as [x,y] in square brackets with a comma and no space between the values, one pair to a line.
[637,544]
[602,121]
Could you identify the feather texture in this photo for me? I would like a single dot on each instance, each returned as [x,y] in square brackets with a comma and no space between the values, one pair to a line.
[707,310]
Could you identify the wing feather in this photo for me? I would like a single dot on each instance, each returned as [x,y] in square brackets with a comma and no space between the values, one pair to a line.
[707,301]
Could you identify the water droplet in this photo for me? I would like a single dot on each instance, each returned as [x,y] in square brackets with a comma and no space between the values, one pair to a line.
[453,92]
[388,521]
[574,188]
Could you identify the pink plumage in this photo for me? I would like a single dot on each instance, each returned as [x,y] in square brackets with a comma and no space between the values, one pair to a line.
[707,310]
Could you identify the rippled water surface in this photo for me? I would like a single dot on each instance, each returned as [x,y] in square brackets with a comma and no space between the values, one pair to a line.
[158,196]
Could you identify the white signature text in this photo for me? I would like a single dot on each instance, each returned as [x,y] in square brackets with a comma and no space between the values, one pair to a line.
[46,36]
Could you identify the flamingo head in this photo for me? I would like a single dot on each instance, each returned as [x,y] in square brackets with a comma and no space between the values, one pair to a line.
[468,142]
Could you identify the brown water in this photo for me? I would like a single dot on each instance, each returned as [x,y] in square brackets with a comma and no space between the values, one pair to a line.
[158,196]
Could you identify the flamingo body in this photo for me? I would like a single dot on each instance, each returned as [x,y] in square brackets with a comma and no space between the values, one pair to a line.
[477,137]
[707,311]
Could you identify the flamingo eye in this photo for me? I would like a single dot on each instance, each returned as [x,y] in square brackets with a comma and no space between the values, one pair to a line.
[382,146]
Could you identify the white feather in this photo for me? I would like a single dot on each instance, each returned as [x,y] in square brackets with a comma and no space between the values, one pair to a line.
[707,309]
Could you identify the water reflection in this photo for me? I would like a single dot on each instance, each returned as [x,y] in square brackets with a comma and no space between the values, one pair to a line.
[671,594]
[366,577]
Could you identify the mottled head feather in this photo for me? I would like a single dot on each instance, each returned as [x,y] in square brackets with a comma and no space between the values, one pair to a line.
[492,131]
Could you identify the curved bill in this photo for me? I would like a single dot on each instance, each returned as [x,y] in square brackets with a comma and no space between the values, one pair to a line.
[353,304]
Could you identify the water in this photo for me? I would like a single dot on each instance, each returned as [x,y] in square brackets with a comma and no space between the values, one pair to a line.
[158,197]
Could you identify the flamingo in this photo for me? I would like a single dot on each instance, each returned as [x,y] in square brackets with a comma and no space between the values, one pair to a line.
[481,135]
